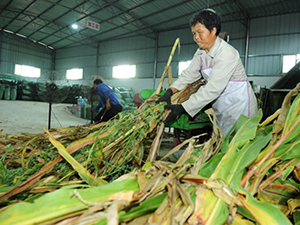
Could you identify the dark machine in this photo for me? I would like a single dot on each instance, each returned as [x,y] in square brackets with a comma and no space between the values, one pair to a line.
[273,97]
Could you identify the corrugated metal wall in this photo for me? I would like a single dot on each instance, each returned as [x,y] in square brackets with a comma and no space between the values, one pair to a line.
[84,57]
[139,51]
[269,39]
[17,50]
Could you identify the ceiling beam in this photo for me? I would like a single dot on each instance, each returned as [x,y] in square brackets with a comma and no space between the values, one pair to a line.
[38,16]
[5,7]
[87,15]
[52,21]
[140,30]
[20,13]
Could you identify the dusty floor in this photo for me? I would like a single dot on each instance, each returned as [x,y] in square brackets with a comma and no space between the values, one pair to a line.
[18,117]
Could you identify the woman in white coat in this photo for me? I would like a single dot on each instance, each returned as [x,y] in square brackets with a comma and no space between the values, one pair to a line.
[227,86]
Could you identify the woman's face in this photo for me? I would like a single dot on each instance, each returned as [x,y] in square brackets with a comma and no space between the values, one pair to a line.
[203,37]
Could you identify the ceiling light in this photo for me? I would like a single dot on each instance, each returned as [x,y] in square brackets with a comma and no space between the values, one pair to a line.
[74,26]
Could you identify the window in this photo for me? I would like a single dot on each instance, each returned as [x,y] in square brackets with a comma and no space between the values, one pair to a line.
[74,74]
[289,61]
[27,71]
[124,71]
[182,66]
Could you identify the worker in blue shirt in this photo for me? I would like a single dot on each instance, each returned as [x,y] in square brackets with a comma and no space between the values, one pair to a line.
[109,102]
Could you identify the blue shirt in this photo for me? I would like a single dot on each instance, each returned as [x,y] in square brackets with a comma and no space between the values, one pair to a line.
[105,92]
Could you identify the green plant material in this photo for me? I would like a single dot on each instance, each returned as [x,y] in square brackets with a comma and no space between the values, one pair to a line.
[281,121]
[3,173]
[264,213]
[251,177]
[238,220]
[146,207]
[243,149]
[212,146]
[84,174]
[209,209]
[278,193]
[270,118]
[293,205]
[46,207]
[296,217]
[208,168]
[294,111]
[265,157]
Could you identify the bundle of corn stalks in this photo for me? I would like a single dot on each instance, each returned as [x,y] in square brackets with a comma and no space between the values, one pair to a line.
[254,178]
[95,157]
[37,163]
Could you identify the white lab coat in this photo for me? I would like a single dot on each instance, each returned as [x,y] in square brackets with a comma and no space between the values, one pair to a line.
[227,85]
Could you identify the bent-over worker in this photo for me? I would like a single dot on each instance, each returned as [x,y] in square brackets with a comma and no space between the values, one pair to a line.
[109,102]
[219,64]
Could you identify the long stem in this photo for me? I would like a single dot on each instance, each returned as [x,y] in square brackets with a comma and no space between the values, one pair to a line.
[158,90]
[254,167]
[275,175]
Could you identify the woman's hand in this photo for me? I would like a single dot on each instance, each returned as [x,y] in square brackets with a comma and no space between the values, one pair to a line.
[176,111]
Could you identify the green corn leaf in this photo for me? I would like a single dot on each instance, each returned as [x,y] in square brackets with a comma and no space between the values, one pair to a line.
[296,217]
[264,213]
[146,207]
[59,203]
[237,220]
[83,173]
[208,168]
[278,193]
[292,115]
[241,149]
[245,128]
[243,211]
[295,127]
[288,171]
[209,209]
[288,151]
[245,156]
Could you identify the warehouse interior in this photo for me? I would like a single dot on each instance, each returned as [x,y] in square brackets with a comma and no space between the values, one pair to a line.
[67,44]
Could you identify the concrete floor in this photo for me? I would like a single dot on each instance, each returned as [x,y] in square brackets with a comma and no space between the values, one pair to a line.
[18,117]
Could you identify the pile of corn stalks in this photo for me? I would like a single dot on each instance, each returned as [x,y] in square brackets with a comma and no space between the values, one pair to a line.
[248,178]
[253,177]
[34,163]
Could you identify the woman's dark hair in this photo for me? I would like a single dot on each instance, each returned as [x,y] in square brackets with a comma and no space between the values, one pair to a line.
[97,81]
[209,18]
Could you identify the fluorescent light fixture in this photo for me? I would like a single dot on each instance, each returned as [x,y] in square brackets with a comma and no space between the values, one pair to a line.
[74,26]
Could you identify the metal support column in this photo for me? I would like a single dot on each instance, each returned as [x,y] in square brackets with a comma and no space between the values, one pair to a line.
[247,45]
[53,58]
[155,59]
[97,58]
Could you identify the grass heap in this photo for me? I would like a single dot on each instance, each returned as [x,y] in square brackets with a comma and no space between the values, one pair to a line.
[252,178]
